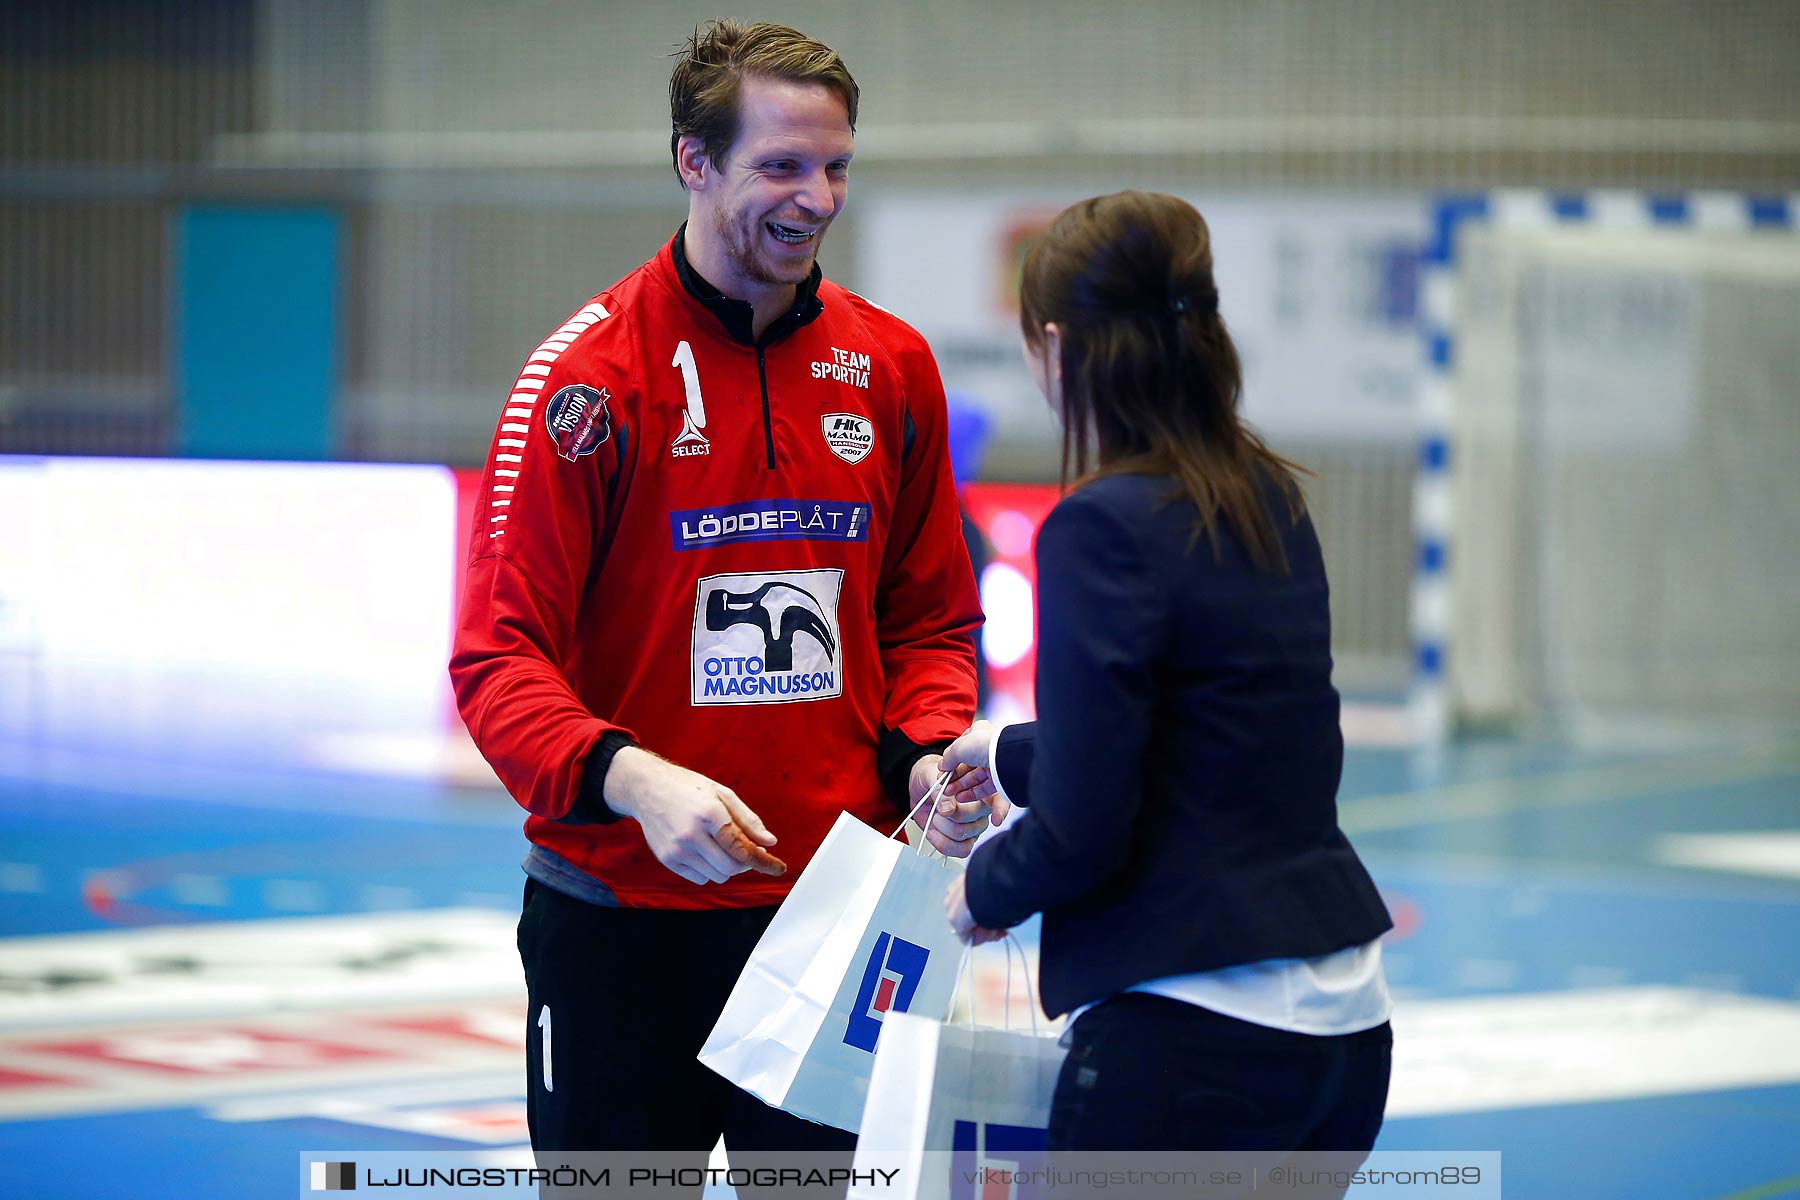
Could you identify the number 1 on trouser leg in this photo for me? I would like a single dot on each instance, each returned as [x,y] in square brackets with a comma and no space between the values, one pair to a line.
[544,1024]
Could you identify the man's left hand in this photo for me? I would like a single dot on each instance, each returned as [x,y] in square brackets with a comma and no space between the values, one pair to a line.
[952,827]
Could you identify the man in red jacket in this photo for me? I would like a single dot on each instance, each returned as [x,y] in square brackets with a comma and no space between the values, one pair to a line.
[717,587]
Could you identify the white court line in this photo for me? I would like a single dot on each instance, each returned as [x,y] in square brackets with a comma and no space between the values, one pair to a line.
[243,970]
[1473,1054]
[283,787]
[1551,790]
[181,1065]
[1485,1053]
[1455,868]
[485,1085]
[1774,852]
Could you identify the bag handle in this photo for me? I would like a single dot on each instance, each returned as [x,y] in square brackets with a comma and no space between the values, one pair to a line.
[969,984]
[1031,1004]
[930,799]
[1010,942]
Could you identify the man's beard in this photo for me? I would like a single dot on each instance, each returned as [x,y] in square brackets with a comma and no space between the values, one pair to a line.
[743,248]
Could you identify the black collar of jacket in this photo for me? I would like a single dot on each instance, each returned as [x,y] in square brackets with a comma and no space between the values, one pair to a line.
[737,316]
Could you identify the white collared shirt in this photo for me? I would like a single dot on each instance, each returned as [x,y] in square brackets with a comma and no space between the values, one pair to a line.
[1345,992]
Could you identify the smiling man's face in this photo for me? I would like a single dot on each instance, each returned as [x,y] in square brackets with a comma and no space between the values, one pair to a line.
[767,205]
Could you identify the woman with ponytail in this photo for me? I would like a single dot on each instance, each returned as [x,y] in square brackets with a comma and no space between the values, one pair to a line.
[1205,919]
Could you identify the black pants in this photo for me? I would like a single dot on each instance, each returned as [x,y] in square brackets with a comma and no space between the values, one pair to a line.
[1148,1073]
[628,996]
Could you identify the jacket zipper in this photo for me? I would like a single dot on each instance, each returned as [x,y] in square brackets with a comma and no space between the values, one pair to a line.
[762,377]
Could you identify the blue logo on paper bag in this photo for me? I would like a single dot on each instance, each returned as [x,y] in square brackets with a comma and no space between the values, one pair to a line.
[889,980]
[989,1159]
[769,521]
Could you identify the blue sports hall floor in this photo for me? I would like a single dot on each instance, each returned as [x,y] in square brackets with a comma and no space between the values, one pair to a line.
[207,969]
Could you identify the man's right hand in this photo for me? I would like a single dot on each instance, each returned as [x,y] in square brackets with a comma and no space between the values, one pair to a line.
[681,813]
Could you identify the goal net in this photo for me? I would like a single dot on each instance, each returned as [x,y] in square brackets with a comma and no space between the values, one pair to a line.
[1626,483]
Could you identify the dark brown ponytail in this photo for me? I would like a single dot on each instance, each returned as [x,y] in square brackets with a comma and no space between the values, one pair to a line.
[1149,372]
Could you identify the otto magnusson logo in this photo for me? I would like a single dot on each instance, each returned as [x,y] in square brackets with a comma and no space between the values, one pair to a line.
[767,638]
[890,978]
[334,1177]
[800,613]
[989,1159]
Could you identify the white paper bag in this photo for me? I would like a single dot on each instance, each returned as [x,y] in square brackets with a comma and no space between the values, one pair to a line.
[948,1102]
[861,937]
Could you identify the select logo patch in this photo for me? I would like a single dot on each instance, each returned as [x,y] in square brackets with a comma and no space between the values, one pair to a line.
[890,979]
[767,638]
[850,437]
[577,420]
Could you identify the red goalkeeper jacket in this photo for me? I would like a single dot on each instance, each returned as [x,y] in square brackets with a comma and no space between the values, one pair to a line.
[745,557]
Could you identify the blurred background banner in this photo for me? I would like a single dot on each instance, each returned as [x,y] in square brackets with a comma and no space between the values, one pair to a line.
[328,229]
[1322,305]
[243,610]
[488,168]
[1519,283]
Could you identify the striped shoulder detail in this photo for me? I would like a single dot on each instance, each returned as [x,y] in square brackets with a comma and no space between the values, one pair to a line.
[898,339]
[860,298]
[882,319]
[523,404]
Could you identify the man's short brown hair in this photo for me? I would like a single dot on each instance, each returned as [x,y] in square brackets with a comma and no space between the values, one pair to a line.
[703,91]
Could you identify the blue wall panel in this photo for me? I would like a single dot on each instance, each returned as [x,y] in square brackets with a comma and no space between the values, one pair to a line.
[256,349]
